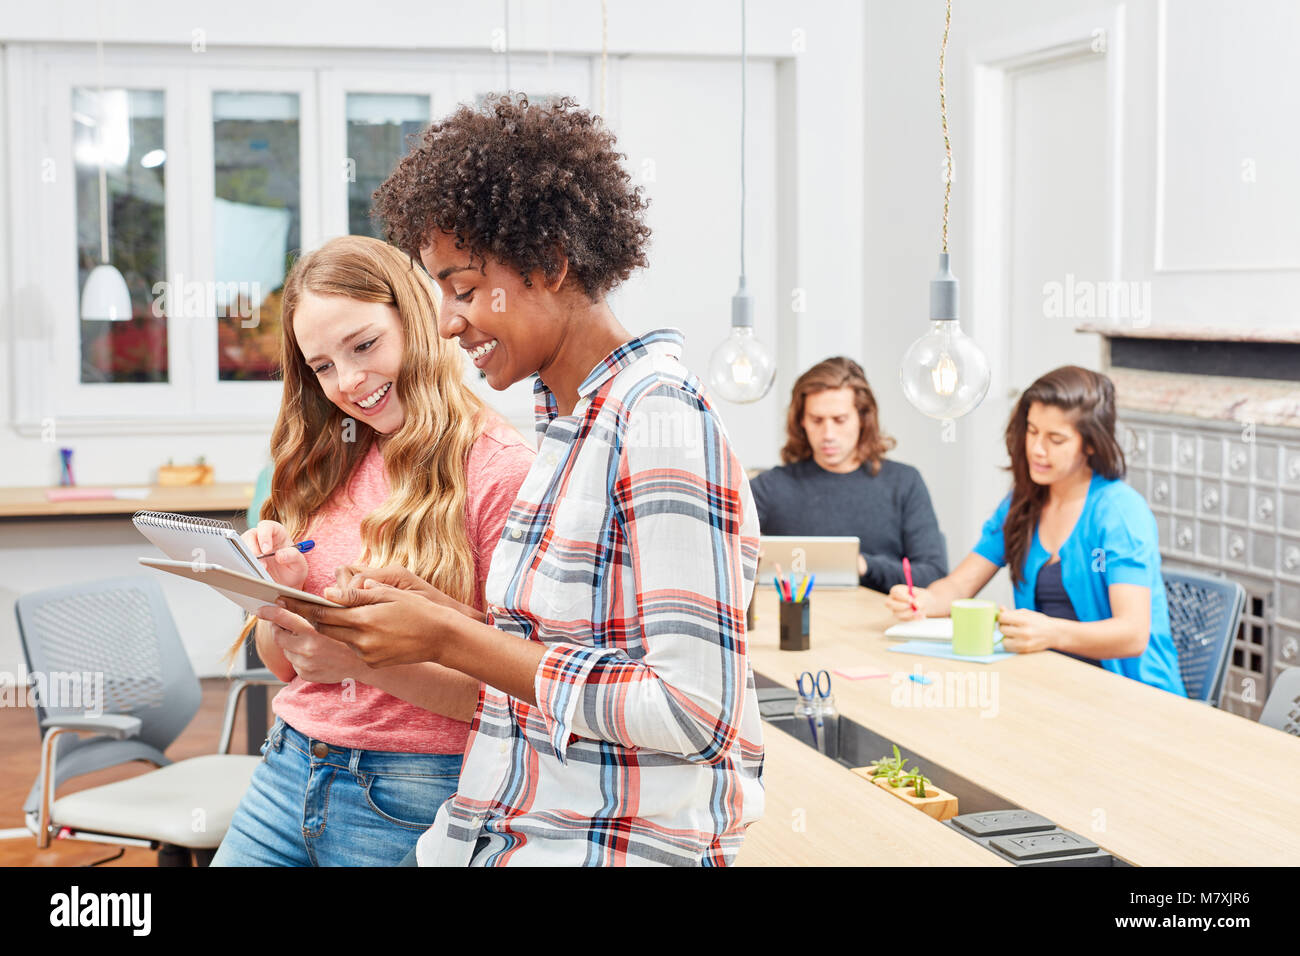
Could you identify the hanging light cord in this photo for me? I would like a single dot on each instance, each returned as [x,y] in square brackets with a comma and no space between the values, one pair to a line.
[604,49]
[742,137]
[943,113]
[103,169]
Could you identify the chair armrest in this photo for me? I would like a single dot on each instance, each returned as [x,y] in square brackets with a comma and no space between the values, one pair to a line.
[119,726]
[238,684]
[259,675]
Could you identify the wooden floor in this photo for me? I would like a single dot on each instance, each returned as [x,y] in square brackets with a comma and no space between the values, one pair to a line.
[22,762]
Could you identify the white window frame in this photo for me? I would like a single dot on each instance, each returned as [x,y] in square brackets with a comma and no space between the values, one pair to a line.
[259,400]
[47,369]
[45,353]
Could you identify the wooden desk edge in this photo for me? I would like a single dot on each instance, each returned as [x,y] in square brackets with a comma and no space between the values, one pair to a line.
[30,502]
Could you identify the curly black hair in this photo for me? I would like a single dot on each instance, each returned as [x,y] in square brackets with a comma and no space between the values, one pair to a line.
[526,184]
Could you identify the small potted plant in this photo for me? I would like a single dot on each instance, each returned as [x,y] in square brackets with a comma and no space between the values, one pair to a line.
[891,772]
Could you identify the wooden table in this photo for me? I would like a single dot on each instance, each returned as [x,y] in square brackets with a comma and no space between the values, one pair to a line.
[187,499]
[1155,779]
[820,813]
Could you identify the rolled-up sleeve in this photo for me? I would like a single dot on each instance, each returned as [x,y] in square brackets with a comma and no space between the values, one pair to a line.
[690,537]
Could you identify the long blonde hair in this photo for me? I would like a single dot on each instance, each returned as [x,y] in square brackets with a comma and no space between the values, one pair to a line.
[316,447]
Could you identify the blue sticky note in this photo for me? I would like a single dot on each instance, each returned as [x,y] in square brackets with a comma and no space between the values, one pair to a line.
[944,651]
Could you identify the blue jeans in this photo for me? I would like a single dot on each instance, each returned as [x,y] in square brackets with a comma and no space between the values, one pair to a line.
[345,808]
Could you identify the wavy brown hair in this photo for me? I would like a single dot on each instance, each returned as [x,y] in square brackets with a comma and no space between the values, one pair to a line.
[316,447]
[1090,398]
[838,372]
[529,184]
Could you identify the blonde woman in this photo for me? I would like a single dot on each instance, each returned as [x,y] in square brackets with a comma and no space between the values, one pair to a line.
[383,457]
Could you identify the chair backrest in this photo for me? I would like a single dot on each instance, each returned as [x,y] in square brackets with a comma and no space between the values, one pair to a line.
[261,492]
[1282,709]
[111,646]
[1204,613]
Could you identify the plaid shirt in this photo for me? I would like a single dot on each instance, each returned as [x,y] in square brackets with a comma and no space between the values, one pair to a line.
[630,553]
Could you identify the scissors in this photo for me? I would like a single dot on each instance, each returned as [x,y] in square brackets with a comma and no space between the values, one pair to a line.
[814,686]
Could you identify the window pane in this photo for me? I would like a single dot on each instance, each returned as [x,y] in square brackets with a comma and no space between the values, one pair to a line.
[256,222]
[123,129]
[381,130]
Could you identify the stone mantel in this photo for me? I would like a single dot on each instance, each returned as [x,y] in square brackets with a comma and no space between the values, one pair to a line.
[1215,398]
[1192,333]
[1264,402]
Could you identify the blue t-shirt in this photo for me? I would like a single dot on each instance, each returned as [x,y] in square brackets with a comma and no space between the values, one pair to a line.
[1113,542]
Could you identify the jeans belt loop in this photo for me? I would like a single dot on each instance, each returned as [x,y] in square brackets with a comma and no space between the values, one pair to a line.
[354,765]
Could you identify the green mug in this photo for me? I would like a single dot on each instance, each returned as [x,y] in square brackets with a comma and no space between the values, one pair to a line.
[972,627]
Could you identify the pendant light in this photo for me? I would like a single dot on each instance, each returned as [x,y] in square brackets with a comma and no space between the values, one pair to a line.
[944,373]
[105,295]
[742,368]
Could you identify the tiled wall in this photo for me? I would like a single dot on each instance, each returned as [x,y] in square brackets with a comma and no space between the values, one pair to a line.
[1226,497]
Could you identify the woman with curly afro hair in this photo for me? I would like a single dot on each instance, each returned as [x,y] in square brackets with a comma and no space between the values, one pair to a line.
[617,721]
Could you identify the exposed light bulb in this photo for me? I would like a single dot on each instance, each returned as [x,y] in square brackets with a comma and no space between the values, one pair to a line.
[742,368]
[944,373]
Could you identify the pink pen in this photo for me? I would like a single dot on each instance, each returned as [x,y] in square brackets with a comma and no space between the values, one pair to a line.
[907,573]
[785,592]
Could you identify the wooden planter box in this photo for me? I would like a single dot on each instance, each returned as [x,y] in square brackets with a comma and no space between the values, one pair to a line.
[936,803]
[172,476]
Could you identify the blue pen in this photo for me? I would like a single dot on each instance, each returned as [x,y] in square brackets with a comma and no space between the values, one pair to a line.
[812,579]
[302,546]
[780,592]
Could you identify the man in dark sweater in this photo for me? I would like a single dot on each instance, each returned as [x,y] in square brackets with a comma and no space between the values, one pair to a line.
[836,481]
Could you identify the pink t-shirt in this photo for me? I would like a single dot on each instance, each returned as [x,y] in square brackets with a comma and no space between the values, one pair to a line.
[358,715]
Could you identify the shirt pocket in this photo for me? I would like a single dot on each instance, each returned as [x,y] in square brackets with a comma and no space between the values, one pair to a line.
[572,561]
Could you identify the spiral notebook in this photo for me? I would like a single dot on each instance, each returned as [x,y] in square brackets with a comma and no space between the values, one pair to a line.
[202,541]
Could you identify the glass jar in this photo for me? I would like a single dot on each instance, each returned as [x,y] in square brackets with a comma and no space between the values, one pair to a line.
[822,720]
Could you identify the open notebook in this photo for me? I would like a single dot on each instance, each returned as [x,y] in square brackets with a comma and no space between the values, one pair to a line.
[928,629]
[203,541]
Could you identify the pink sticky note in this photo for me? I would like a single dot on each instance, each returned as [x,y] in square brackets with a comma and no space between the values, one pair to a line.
[858,673]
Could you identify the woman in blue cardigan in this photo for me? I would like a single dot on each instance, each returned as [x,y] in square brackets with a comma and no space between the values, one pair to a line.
[1080,544]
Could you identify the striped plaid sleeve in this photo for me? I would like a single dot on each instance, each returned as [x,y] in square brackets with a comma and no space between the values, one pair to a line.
[679,497]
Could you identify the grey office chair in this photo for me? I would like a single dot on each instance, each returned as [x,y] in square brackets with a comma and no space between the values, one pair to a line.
[1282,709]
[114,667]
[1204,614]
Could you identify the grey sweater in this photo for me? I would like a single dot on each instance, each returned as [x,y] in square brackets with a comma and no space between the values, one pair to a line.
[890,513]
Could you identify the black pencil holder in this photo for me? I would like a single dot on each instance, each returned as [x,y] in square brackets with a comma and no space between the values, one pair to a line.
[794,625]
